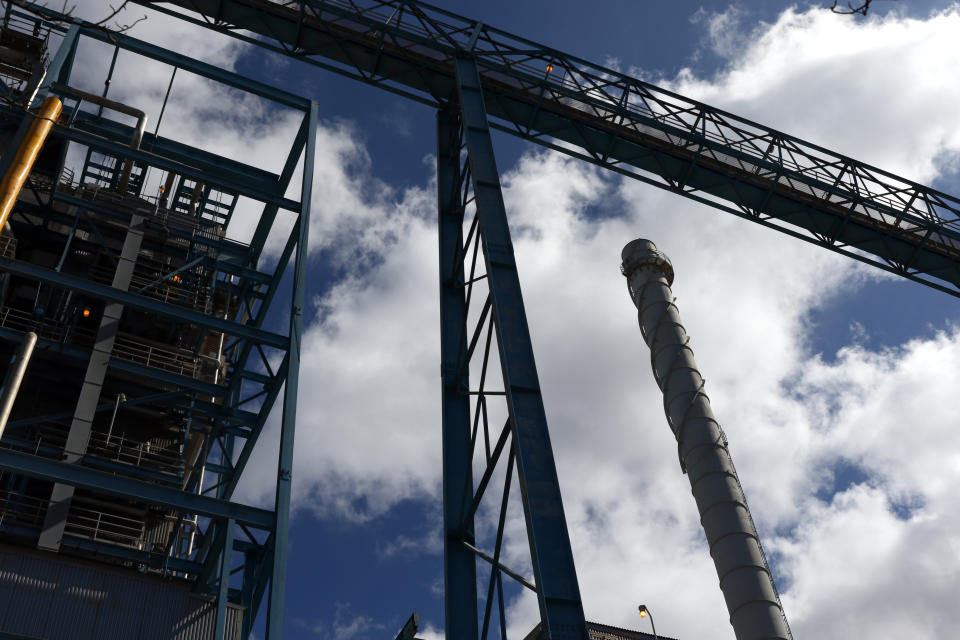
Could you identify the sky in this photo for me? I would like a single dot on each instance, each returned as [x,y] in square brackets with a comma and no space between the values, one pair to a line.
[832,380]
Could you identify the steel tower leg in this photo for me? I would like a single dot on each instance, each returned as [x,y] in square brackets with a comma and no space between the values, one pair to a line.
[558,592]
[459,563]
[278,575]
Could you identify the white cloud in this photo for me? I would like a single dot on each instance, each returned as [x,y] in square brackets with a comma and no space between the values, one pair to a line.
[871,89]
[346,625]
[368,433]
[370,392]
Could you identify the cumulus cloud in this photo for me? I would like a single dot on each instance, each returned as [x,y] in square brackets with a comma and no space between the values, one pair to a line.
[346,625]
[794,420]
[838,82]
[848,461]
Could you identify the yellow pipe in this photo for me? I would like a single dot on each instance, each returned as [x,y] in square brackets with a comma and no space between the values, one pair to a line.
[26,155]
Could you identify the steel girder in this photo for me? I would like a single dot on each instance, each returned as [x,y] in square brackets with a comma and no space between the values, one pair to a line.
[278,574]
[618,122]
[476,184]
[76,475]
[459,563]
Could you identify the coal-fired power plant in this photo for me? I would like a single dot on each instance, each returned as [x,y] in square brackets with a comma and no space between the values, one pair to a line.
[745,579]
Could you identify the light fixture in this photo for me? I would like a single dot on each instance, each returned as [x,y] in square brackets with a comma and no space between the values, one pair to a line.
[549,67]
[86,313]
[645,613]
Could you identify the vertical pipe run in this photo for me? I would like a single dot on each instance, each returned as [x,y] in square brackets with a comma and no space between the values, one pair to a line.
[745,579]
[139,114]
[26,155]
[18,367]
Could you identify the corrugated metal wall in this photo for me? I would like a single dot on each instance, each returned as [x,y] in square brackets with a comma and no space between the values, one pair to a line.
[57,598]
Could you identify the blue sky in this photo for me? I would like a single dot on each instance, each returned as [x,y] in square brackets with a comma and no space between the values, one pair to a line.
[831,379]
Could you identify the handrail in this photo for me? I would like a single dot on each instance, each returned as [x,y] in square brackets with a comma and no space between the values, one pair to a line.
[616,121]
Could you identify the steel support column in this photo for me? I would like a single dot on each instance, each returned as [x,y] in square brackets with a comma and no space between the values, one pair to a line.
[558,592]
[278,575]
[459,563]
[223,588]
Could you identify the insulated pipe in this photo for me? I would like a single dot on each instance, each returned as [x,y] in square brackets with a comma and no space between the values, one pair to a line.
[18,367]
[745,579]
[26,155]
[119,107]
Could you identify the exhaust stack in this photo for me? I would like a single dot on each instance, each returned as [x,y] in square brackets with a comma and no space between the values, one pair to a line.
[745,579]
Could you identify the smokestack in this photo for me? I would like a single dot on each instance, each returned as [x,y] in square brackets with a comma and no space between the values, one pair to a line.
[745,579]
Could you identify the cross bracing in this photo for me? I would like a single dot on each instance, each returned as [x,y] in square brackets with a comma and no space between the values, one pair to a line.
[481,78]
[147,290]
[617,122]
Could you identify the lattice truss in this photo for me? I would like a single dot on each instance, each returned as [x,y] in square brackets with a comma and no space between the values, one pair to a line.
[618,122]
[491,474]
[188,347]
[497,455]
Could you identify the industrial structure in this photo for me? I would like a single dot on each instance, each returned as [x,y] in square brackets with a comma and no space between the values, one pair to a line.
[745,577]
[153,374]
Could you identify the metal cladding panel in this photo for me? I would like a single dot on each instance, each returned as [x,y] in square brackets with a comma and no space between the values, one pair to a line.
[32,586]
[121,613]
[9,566]
[79,594]
[56,598]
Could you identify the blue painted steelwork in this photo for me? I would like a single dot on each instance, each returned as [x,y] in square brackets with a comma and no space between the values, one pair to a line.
[621,123]
[561,102]
[459,563]
[150,305]
[224,408]
[558,592]
[223,588]
[285,463]
[76,475]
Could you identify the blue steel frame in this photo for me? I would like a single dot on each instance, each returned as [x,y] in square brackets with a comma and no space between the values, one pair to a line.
[617,122]
[481,78]
[475,182]
[231,528]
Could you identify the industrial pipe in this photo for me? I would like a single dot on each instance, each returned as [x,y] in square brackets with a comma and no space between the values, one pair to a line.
[119,107]
[745,579]
[18,367]
[26,155]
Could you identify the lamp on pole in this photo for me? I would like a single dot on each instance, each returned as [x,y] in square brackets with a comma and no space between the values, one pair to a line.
[644,613]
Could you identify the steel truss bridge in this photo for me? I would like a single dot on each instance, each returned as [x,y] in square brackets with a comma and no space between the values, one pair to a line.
[479,78]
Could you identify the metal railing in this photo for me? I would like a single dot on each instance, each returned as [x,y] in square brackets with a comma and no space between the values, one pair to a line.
[161,356]
[126,346]
[19,509]
[619,122]
[23,50]
[45,328]
[145,455]
[83,522]
[105,526]
[152,278]
[8,246]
